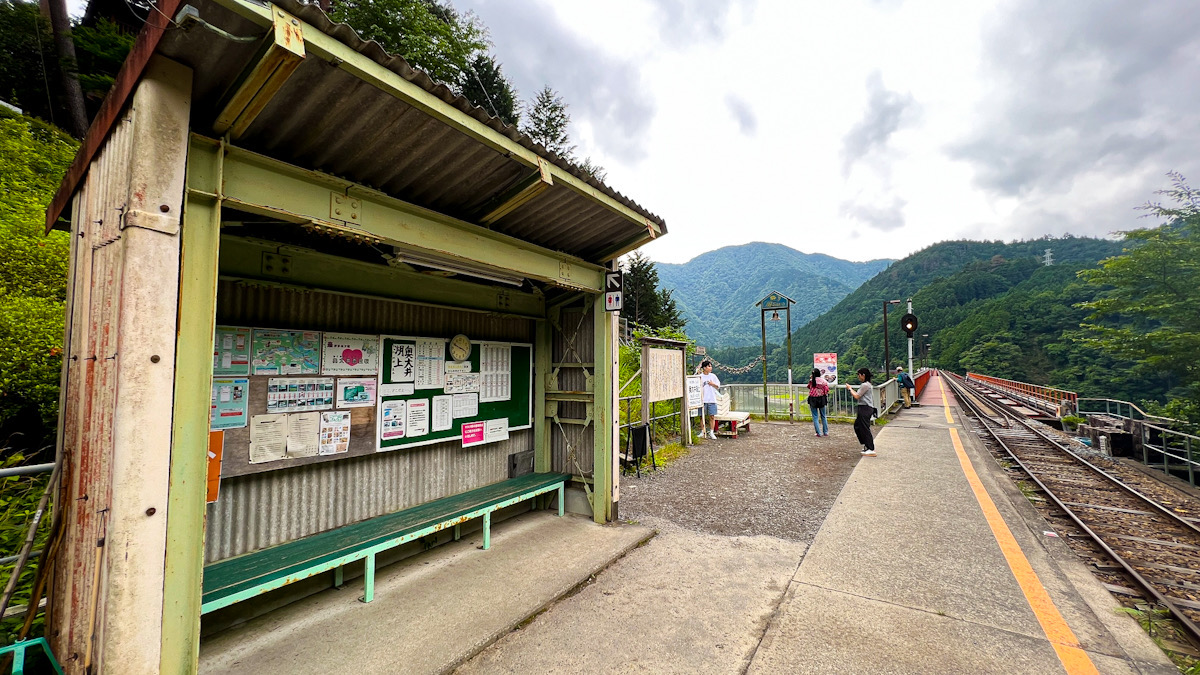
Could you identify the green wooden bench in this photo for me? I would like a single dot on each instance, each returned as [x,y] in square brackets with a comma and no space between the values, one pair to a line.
[235,579]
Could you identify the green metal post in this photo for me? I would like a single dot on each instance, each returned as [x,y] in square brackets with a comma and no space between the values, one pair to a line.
[542,347]
[766,407]
[339,576]
[562,494]
[602,412]
[791,396]
[369,579]
[487,530]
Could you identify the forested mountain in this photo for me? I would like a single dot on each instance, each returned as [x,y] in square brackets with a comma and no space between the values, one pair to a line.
[716,291]
[986,306]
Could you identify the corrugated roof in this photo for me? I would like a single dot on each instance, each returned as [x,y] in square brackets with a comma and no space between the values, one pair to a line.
[328,119]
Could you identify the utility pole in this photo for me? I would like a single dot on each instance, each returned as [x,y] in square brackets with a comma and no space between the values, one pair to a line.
[887,351]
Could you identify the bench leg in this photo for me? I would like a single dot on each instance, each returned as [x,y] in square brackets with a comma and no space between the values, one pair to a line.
[369,580]
[487,530]
[338,580]
[457,532]
[562,493]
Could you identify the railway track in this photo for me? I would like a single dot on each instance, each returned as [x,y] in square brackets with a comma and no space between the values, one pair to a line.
[1149,543]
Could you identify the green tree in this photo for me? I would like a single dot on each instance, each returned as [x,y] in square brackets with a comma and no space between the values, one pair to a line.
[28,62]
[33,272]
[428,34]
[487,87]
[645,303]
[546,121]
[1150,311]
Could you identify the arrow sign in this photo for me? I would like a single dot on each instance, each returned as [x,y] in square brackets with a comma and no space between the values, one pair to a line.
[614,283]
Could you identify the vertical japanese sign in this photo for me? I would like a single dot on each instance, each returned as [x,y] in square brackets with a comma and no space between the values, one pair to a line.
[827,364]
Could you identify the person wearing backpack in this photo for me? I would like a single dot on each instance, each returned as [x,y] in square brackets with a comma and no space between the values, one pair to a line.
[818,399]
[906,386]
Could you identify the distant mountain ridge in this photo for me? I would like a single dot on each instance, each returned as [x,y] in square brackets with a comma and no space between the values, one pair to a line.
[716,291]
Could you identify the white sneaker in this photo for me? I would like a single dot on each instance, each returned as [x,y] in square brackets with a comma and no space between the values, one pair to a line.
[712,435]
[868,453]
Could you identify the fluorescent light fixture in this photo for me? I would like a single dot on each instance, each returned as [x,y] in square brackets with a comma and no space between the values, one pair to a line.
[399,257]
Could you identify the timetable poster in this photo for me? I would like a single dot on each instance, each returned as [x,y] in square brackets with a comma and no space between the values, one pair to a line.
[231,351]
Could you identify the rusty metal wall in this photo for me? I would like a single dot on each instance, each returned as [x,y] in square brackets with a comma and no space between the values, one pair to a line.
[268,508]
[90,387]
[571,445]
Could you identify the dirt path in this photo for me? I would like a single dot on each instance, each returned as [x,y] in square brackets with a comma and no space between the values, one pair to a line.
[777,480]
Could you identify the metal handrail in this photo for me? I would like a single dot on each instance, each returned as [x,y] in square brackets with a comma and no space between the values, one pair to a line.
[28,470]
[1039,391]
[1109,402]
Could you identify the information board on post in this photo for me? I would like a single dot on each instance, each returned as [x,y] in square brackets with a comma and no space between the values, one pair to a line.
[694,394]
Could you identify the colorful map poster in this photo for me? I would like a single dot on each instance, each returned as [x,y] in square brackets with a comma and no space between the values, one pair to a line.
[231,351]
[344,354]
[230,403]
[285,352]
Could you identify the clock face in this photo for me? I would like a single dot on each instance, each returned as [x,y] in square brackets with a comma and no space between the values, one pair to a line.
[460,348]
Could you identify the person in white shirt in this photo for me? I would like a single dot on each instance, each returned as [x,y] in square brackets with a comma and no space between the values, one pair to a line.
[709,384]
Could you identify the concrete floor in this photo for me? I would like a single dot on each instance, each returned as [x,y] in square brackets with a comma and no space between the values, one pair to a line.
[904,576]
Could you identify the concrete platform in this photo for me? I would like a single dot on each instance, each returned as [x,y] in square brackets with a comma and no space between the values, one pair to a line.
[906,575]
[432,611]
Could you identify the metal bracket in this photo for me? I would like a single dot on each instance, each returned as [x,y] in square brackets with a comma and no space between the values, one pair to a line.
[148,220]
[345,208]
[564,270]
[551,409]
[276,265]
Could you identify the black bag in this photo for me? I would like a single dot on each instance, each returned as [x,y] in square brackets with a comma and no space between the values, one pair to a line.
[817,401]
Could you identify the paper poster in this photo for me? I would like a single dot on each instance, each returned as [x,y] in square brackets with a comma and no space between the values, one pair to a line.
[461,383]
[495,430]
[406,389]
[392,416]
[268,438]
[403,362]
[345,354]
[431,363]
[231,351]
[443,413]
[335,433]
[216,447]
[418,418]
[230,403]
[472,434]
[694,391]
[355,392]
[458,367]
[827,364]
[495,368]
[466,405]
[285,352]
[303,434]
[299,394]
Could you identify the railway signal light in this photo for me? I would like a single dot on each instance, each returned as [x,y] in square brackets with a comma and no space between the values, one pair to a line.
[909,323]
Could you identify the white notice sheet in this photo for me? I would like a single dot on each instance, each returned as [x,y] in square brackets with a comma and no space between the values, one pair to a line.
[466,405]
[443,413]
[418,417]
[391,420]
[303,439]
[335,432]
[431,364]
[268,438]
[495,365]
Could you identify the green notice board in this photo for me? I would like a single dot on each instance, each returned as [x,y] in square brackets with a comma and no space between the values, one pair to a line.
[425,397]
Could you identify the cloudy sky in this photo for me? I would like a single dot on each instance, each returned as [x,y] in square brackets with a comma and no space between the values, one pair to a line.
[872,128]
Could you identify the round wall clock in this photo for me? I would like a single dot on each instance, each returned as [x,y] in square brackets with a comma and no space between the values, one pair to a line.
[460,348]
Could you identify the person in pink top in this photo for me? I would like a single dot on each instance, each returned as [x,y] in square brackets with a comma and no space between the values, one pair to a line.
[818,399]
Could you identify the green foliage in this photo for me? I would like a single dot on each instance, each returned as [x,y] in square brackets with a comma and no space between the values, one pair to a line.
[546,123]
[100,49]
[429,35]
[33,271]
[19,497]
[28,62]
[716,291]
[1149,307]
[645,303]
[486,86]
[630,363]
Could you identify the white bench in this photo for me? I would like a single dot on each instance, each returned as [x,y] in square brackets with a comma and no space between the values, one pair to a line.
[730,422]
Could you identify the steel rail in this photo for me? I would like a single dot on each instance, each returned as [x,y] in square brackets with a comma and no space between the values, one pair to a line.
[1146,585]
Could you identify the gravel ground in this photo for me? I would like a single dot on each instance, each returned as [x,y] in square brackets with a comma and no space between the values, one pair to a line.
[778,480]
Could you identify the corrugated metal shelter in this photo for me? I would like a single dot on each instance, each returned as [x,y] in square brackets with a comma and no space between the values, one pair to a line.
[258,166]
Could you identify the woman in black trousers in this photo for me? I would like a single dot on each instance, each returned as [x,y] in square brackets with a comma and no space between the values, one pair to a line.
[865,395]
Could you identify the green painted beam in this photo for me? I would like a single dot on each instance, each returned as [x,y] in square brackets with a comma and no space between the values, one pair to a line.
[321,45]
[261,185]
[602,350]
[189,438]
[542,346]
[243,258]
